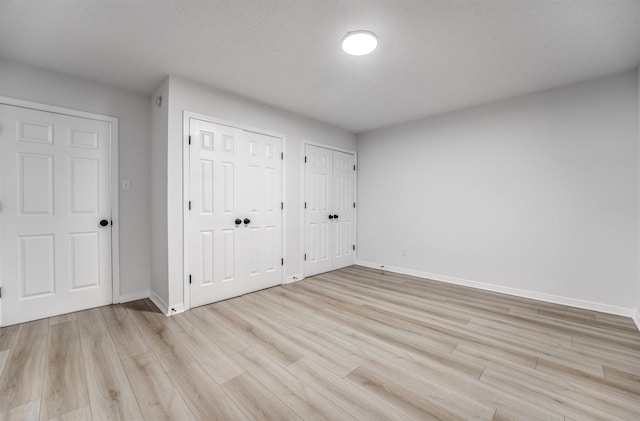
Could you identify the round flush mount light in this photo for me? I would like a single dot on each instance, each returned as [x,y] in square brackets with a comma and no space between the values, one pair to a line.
[359,43]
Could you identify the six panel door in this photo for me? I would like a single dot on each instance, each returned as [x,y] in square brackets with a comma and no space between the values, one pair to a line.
[235,226]
[264,196]
[344,227]
[318,198]
[215,157]
[56,257]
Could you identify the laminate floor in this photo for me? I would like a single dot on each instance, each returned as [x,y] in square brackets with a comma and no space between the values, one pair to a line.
[351,344]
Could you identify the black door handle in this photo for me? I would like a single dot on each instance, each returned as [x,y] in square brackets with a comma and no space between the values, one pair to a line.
[247,221]
[238,221]
[335,216]
[330,216]
[104,223]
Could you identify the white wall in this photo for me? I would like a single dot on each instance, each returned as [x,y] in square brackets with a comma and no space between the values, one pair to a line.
[32,84]
[637,315]
[189,96]
[159,136]
[537,195]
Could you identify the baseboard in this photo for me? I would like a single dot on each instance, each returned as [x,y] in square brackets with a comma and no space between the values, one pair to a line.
[292,279]
[133,296]
[177,309]
[636,319]
[550,298]
[162,306]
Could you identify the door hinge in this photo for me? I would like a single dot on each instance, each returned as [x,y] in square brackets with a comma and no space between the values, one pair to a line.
[189,278]
[0,292]
[354,167]
[305,256]
[305,205]
[305,159]
[189,204]
[354,247]
[282,262]
[282,205]
[282,155]
[189,139]
[354,204]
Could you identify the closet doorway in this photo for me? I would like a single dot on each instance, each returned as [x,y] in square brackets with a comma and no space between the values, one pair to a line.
[330,209]
[233,238]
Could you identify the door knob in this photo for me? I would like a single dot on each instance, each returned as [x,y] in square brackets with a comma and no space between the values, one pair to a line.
[247,221]
[104,223]
[238,221]
[330,216]
[335,216]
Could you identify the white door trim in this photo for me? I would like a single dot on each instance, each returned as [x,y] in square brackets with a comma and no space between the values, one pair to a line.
[186,184]
[303,240]
[332,147]
[115,229]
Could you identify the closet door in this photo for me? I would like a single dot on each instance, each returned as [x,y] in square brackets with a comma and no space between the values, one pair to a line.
[215,159]
[318,212]
[235,220]
[262,236]
[329,209]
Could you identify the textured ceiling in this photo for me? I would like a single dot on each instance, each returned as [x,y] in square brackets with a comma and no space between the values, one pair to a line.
[433,56]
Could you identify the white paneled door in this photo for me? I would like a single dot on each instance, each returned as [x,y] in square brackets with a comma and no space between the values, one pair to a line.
[329,209]
[319,212]
[235,219]
[56,214]
[344,212]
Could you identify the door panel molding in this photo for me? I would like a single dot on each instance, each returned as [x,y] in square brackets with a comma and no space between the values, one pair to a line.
[81,139]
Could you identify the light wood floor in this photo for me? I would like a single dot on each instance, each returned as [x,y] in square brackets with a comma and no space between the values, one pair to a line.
[351,344]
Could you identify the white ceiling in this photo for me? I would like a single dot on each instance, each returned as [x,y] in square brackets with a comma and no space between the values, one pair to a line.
[433,56]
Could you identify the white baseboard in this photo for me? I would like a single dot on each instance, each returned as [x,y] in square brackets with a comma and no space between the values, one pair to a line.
[162,306]
[636,319]
[177,309]
[133,296]
[292,279]
[556,299]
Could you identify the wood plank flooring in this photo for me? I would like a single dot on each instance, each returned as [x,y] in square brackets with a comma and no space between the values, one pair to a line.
[351,344]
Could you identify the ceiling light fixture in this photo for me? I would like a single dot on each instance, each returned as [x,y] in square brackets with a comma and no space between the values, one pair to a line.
[359,43]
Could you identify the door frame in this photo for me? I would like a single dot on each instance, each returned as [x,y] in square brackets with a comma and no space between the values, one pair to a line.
[306,142]
[114,180]
[186,185]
